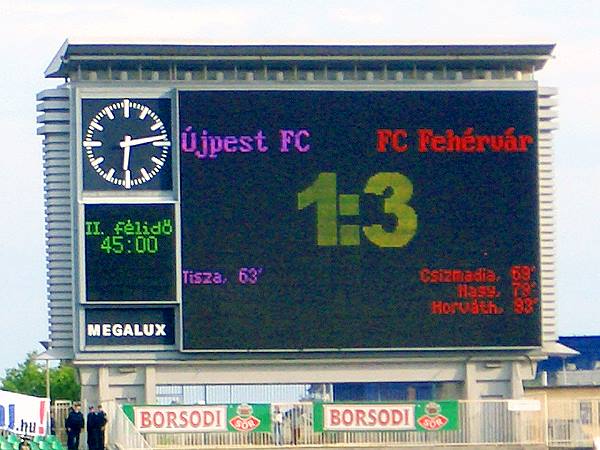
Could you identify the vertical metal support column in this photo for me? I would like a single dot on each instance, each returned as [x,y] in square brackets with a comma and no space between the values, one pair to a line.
[47,378]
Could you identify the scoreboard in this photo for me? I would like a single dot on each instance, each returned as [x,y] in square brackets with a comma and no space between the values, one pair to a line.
[315,220]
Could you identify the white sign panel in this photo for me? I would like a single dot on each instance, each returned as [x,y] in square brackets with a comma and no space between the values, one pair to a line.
[173,419]
[24,414]
[368,417]
[524,405]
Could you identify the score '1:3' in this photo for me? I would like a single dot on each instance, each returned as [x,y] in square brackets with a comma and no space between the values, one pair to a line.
[323,193]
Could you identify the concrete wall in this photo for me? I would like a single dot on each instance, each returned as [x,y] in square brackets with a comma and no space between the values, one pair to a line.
[137,382]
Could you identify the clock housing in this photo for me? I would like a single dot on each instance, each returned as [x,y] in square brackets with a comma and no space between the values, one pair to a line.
[126,144]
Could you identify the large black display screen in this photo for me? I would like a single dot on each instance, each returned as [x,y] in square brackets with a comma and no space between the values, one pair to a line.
[359,220]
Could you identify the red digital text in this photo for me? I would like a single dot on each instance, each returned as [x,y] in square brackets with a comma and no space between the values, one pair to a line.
[450,141]
[475,307]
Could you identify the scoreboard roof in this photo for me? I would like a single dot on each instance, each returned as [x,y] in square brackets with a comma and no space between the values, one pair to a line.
[71,57]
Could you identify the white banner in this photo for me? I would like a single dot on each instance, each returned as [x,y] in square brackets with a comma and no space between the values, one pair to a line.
[24,414]
[172,419]
[368,417]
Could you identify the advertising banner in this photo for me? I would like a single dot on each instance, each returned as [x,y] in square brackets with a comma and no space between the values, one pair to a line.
[200,418]
[24,414]
[420,416]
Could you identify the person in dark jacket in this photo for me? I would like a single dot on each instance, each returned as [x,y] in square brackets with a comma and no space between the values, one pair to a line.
[100,420]
[91,429]
[74,423]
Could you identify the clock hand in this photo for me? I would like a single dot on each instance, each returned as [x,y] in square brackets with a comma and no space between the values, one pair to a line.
[127,179]
[126,151]
[131,142]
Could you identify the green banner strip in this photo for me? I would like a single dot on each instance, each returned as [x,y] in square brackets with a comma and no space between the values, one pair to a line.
[128,411]
[437,416]
[429,415]
[318,416]
[255,417]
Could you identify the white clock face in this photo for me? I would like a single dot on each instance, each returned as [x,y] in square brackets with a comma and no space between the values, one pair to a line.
[126,143]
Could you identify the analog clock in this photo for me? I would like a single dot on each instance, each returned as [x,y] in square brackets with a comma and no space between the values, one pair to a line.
[126,144]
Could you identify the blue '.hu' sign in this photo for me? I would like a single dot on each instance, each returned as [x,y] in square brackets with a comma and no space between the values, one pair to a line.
[24,414]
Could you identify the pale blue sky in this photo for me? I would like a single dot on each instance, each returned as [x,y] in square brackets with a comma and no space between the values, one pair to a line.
[33,30]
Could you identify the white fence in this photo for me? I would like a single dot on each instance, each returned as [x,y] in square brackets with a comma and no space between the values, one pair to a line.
[121,431]
[573,423]
[484,422]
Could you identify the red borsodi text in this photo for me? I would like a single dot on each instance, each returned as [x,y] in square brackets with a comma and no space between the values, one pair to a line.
[356,418]
[182,419]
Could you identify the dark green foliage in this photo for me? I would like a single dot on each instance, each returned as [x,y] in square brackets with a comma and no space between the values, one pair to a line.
[29,378]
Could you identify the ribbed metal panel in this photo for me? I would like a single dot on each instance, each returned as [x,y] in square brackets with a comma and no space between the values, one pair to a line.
[55,128]
[547,116]
[190,394]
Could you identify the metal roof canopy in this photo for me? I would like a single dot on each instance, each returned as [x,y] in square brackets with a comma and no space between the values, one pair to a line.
[72,57]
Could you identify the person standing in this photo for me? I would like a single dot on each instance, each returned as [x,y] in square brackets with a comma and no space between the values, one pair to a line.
[92,438]
[277,426]
[100,420]
[74,423]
